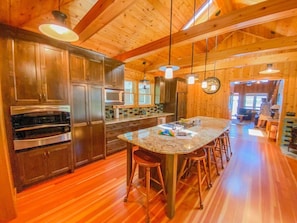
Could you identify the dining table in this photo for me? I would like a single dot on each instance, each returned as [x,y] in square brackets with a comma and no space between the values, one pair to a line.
[171,140]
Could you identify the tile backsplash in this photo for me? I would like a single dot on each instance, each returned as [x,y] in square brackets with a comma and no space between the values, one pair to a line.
[129,112]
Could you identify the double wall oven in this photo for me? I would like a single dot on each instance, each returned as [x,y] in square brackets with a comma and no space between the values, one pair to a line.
[40,125]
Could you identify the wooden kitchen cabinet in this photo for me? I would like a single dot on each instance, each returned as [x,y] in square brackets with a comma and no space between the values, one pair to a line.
[87,123]
[39,74]
[159,90]
[83,69]
[114,74]
[176,97]
[169,118]
[39,164]
[147,123]
[113,144]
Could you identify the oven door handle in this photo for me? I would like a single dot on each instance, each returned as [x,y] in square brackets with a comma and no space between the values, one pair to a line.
[31,143]
[41,127]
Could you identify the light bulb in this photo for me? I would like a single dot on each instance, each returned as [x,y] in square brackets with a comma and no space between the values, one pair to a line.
[191,79]
[169,72]
[204,84]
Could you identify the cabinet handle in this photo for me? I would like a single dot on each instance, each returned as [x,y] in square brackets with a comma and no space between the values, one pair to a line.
[44,155]
[48,153]
[40,97]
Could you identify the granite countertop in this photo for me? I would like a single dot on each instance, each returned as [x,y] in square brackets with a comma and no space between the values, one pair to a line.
[136,117]
[199,135]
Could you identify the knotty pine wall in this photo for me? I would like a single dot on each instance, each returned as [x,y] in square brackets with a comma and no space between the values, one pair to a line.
[218,104]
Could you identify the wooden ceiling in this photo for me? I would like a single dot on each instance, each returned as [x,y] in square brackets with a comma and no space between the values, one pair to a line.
[134,31]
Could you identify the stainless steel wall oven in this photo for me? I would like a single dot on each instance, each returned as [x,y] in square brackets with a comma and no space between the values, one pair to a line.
[40,125]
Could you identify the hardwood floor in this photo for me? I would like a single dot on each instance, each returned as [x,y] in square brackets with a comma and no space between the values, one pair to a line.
[257,185]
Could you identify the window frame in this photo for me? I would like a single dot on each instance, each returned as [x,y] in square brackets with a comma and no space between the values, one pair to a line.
[136,94]
[255,96]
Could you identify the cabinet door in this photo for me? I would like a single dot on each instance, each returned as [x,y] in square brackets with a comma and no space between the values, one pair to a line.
[77,68]
[33,166]
[108,75]
[98,140]
[80,131]
[181,105]
[94,71]
[159,90]
[96,121]
[59,159]
[181,86]
[26,73]
[54,74]
[118,76]
[114,75]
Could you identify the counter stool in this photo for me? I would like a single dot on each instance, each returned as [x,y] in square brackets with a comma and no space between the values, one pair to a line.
[222,148]
[194,159]
[210,148]
[228,142]
[147,160]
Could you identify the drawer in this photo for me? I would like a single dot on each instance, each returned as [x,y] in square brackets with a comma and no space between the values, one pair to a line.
[115,145]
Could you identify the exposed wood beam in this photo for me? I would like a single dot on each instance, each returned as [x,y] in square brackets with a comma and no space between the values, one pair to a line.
[241,62]
[246,17]
[102,13]
[276,44]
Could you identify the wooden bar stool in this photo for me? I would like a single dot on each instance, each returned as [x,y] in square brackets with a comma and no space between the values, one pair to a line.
[222,148]
[194,159]
[147,160]
[228,142]
[212,159]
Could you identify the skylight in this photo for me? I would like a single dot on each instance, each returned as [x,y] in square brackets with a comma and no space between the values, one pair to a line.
[197,14]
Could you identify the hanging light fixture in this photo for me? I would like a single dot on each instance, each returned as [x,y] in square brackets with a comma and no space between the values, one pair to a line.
[169,68]
[144,81]
[191,76]
[204,82]
[269,70]
[58,29]
[213,87]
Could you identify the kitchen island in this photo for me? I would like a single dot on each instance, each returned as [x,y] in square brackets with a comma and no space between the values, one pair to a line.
[200,131]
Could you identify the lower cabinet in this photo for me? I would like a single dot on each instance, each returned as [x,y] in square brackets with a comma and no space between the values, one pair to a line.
[87,123]
[88,143]
[113,144]
[42,163]
[170,118]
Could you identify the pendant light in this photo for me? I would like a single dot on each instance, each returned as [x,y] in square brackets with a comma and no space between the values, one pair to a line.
[204,82]
[169,68]
[191,76]
[144,81]
[58,29]
[213,87]
[269,70]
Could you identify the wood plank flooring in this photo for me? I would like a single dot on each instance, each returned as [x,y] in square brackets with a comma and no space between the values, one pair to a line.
[258,185]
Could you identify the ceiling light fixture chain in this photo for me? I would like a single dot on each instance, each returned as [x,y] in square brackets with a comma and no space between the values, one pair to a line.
[144,81]
[169,68]
[191,77]
[204,82]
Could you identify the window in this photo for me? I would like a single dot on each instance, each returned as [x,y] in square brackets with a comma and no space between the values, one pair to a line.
[254,100]
[144,94]
[129,92]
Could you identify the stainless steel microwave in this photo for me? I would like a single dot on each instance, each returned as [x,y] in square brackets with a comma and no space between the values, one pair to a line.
[114,97]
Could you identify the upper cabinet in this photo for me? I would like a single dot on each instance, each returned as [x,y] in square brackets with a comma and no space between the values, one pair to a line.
[159,90]
[114,74]
[39,74]
[83,69]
